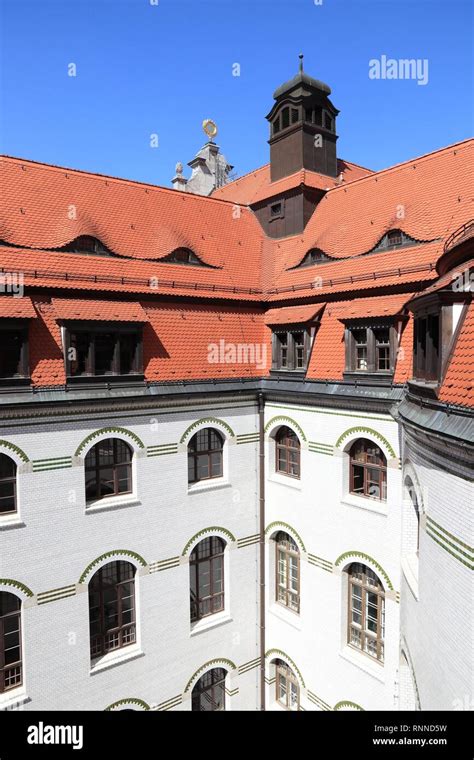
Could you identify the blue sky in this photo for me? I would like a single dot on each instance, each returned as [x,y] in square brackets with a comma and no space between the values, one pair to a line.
[144,68]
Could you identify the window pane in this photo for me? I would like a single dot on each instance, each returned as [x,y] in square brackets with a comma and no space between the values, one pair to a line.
[79,346]
[11,344]
[104,353]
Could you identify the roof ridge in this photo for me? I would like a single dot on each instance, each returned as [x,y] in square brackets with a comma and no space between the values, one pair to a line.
[120,180]
[395,167]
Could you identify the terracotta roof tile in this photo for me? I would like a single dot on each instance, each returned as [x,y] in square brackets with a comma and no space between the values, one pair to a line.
[458,385]
[13,307]
[292,314]
[104,311]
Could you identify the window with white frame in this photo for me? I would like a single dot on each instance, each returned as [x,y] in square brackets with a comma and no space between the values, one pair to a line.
[366,611]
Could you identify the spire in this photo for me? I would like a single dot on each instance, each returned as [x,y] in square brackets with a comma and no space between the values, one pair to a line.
[301,56]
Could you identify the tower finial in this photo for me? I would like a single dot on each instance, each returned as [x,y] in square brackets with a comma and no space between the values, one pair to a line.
[301,56]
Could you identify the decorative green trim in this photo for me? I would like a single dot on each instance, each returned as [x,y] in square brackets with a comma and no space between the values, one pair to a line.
[16,584]
[289,420]
[247,438]
[332,414]
[162,449]
[203,532]
[105,430]
[431,529]
[19,452]
[60,463]
[271,652]
[469,565]
[206,666]
[278,524]
[443,530]
[321,448]
[318,701]
[163,564]
[55,594]
[169,703]
[354,553]
[248,666]
[111,554]
[248,541]
[348,703]
[323,564]
[373,433]
[207,420]
[131,701]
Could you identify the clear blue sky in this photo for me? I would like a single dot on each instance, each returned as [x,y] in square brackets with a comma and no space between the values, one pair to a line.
[144,69]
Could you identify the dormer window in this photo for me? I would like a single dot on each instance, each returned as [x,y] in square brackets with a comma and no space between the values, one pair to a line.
[393,239]
[370,348]
[285,118]
[314,256]
[276,125]
[426,347]
[87,244]
[277,210]
[291,349]
[183,256]
[294,115]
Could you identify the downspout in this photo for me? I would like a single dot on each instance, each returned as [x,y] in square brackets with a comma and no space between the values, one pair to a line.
[261,459]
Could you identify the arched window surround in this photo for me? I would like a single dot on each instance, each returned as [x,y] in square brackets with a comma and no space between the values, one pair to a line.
[8,485]
[126,633]
[11,640]
[137,451]
[287,565]
[209,577]
[287,452]
[209,691]
[206,456]
[367,469]
[364,596]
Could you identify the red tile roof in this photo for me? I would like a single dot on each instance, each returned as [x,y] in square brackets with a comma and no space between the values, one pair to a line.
[13,307]
[458,385]
[292,314]
[361,308]
[103,311]
[256,186]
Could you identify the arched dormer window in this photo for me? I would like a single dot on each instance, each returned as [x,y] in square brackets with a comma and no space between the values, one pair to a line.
[183,256]
[314,256]
[205,455]
[108,468]
[393,239]
[88,245]
[7,485]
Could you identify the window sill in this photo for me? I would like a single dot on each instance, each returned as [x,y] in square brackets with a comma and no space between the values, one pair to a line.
[410,571]
[11,521]
[112,502]
[365,502]
[14,698]
[285,480]
[113,658]
[220,618]
[362,661]
[286,615]
[212,484]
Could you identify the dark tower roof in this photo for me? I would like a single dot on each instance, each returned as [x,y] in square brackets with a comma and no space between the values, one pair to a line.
[301,78]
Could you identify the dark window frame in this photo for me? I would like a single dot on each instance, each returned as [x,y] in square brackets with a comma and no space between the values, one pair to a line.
[276,214]
[97,467]
[373,346]
[11,674]
[210,551]
[289,354]
[99,646]
[368,591]
[371,453]
[285,549]
[286,443]
[195,454]
[19,328]
[427,354]
[90,330]
[9,480]
[213,692]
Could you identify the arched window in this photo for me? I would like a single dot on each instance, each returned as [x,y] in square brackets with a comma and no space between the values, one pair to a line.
[108,469]
[412,520]
[366,614]
[205,455]
[287,686]
[112,608]
[209,692]
[368,470]
[7,485]
[206,566]
[287,452]
[10,641]
[287,572]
